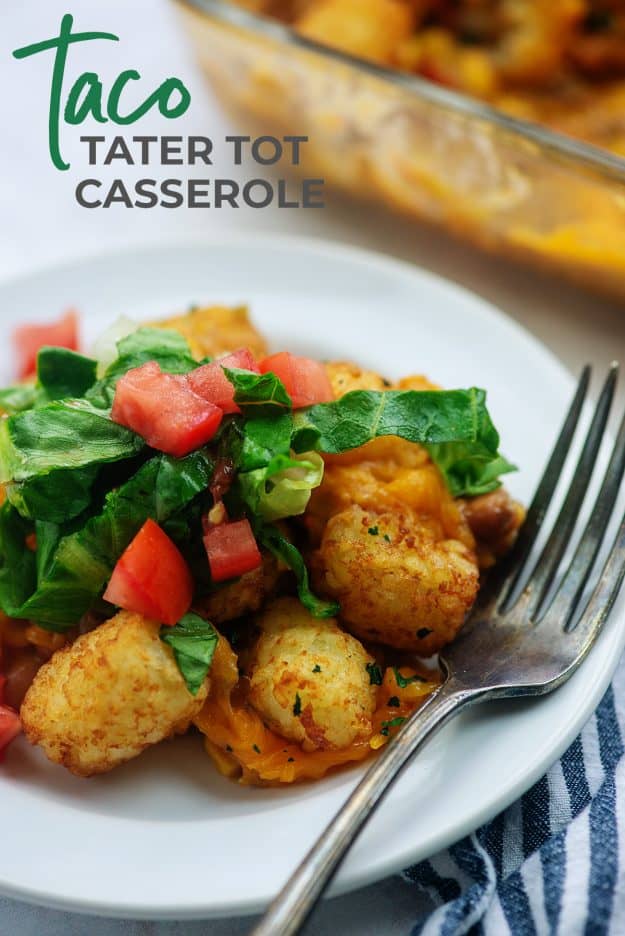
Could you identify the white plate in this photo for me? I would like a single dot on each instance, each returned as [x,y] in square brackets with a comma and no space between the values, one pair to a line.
[166,836]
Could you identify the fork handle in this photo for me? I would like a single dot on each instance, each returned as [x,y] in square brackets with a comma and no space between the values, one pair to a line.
[290,909]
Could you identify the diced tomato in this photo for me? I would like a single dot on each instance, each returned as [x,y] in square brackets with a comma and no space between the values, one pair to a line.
[164,410]
[231,550]
[10,727]
[152,578]
[210,382]
[28,339]
[243,359]
[306,381]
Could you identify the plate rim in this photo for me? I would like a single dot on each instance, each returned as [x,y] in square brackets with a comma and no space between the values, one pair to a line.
[387,264]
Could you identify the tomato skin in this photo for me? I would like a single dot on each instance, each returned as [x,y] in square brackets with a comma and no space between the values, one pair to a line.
[306,381]
[164,410]
[29,339]
[10,727]
[232,550]
[152,578]
[241,358]
[210,382]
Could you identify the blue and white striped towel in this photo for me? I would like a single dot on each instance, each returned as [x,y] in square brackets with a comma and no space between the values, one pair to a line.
[554,862]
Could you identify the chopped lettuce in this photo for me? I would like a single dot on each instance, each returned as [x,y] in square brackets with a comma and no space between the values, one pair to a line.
[472,467]
[286,552]
[84,485]
[167,347]
[61,374]
[283,488]
[18,565]
[77,566]
[469,469]
[193,641]
[18,398]
[61,435]
[49,457]
[64,374]
[428,416]
[57,496]
[258,394]
[454,425]
[253,443]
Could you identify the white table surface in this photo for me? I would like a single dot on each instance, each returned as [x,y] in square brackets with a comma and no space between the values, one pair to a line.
[40,223]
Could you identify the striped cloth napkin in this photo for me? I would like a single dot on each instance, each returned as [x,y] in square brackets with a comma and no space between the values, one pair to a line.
[554,862]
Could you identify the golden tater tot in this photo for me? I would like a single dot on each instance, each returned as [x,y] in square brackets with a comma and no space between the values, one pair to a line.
[398,582]
[108,696]
[216,330]
[416,382]
[386,474]
[309,679]
[345,377]
[556,62]
[243,596]
[370,29]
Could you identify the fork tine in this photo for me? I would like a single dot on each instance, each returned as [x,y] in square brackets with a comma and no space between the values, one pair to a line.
[506,577]
[566,602]
[545,569]
[602,599]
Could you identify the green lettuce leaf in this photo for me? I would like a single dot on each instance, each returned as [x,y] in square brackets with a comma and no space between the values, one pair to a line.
[428,416]
[57,496]
[18,398]
[48,538]
[469,469]
[454,425]
[61,435]
[18,564]
[283,488]
[193,641]
[253,443]
[258,394]
[472,468]
[167,347]
[49,457]
[64,374]
[166,343]
[272,539]
[75,568]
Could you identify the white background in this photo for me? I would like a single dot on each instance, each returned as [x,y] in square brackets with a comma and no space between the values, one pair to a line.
[40,223]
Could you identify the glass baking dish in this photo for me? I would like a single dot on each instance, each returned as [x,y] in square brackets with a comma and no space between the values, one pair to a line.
[509,186]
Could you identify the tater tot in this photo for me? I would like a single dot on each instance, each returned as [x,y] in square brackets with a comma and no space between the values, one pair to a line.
[370,29]
[398,582]
[309,679]
[345,377]
[243,596]
[108,696]
[216,330]
[386,474]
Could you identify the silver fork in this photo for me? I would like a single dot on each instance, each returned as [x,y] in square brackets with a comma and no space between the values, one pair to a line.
[524,637]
